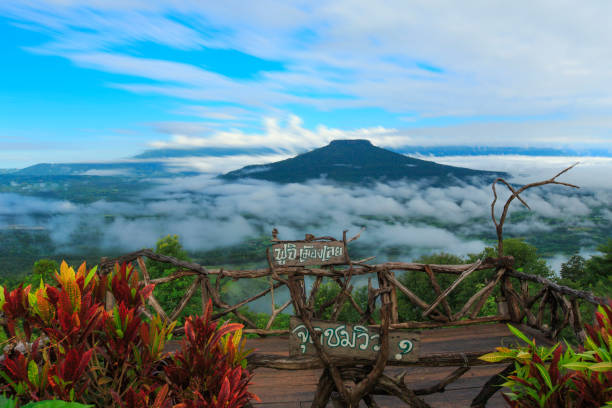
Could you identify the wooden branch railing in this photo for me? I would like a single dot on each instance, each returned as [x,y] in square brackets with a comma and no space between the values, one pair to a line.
[551,309]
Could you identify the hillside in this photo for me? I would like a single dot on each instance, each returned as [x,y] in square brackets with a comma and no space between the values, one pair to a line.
[124,168]
[356,161]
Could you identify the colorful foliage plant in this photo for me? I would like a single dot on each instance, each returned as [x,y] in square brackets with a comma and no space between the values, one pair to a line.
[552,377]
[64,345]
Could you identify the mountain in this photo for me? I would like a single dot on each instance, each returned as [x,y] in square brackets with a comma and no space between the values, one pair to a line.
[356,161]
[136,169]
[501,151]
[203,152]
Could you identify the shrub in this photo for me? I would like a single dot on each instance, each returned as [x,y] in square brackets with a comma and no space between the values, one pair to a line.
[64,345]
[551,377]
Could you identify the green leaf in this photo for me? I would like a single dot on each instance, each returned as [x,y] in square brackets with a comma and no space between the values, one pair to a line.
[601,367]
[544,374]
[7,402]
[520,335]
[90,275]
[2,299]
[577,366]
[55,404]
[116,318]
[494,357]
[33,372]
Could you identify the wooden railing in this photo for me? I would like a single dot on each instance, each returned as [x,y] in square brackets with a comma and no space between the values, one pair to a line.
[550,307]
[524,298]
[436,314]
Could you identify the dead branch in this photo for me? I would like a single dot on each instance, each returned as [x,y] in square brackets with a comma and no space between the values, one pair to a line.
[499,225]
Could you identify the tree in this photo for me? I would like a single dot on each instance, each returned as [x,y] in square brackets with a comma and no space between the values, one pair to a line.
[526,257]
[45,269]
[600,266]
[573,269]
[170,294]
[328,292]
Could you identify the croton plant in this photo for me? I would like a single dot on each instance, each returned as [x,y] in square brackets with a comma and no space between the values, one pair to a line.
[62,344]
[560,376]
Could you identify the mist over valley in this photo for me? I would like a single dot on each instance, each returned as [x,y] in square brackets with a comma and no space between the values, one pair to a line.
[228,221]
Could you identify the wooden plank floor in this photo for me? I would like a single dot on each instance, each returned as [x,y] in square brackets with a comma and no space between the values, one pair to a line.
[295,389]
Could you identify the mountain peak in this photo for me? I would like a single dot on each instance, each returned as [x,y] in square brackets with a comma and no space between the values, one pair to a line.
[350,143]
[355,161]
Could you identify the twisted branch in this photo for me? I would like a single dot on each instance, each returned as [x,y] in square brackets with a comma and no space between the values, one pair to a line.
[499,226]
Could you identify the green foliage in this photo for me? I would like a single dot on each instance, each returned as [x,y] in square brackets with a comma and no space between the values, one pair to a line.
[328,292]
[420,284]
[526,257]
[45,268]
[573,269]
[591,275]
[170,294]
[251,252]
[76,188]
[601,265]
[550,377]
[55,404]
[12,403]
[597,276]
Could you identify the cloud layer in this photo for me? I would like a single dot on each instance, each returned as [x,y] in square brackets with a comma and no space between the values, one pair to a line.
[408,219]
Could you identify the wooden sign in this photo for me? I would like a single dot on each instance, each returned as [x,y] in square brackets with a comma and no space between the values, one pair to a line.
[304,253]
[351,341]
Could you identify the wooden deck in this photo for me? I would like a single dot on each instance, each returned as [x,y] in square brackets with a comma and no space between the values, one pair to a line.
[295,389]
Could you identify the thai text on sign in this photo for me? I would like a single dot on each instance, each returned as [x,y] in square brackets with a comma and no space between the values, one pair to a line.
[347,340]
[308,253]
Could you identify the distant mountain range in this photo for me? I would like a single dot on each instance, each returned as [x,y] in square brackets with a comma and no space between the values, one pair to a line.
[356,161]
[203,152]
[501,151]
[125,168]
[155,162]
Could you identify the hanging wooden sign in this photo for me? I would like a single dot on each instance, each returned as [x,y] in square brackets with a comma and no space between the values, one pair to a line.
[351,341]
[307,253]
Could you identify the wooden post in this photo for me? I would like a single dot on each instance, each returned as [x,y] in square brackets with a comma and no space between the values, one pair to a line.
[204,293]
[325,387]
[577,321]
[513,306]
[394,305]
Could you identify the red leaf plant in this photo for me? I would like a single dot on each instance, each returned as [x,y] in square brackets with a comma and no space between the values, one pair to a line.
[116,357]
[205,372]
[550,377]
[593,381]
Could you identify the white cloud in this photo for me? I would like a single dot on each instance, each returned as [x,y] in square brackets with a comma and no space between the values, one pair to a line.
[288,136]
[591,172]
[207,212]
[109,172]
[224,164]
[548,62]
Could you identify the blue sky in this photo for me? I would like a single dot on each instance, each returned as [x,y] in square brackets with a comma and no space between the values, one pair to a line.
[105,80]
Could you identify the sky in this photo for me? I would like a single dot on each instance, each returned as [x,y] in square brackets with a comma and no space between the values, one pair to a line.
[104,80]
